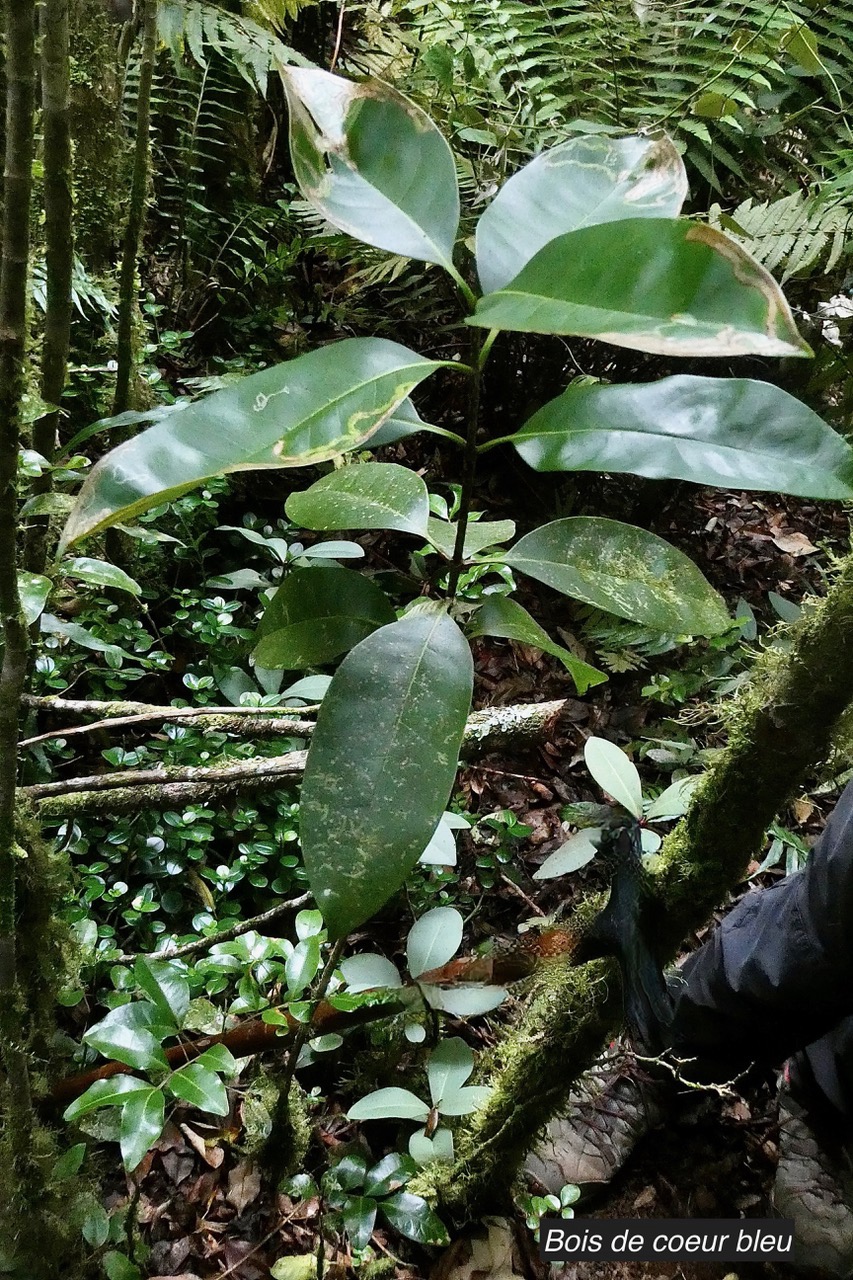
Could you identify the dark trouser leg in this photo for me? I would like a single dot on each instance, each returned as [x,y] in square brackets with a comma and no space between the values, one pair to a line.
[777,977]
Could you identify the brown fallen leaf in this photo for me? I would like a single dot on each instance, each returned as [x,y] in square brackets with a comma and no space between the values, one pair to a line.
[645,1199]
[244,1185]
[211,1155]
[478,1257]
[794,544]
[802,809]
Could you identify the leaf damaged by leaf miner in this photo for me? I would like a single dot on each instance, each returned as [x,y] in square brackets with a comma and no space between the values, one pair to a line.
[663,285]
[293,414]
[373,164]
[624,570]
[588,180]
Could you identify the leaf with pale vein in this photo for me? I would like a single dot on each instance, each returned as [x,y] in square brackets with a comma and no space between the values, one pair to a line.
[294,414]
[736,433]
[382,763]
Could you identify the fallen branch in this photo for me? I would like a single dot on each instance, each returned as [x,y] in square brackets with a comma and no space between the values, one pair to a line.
[223,935]
[134,790]
[266,722]
[249,1037]
[244,771]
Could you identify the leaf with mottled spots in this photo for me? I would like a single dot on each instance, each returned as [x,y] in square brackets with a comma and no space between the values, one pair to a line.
[295,414]
[624,570]
[373,163]
[375,495]
[665,285]
[583,182]
[382,763]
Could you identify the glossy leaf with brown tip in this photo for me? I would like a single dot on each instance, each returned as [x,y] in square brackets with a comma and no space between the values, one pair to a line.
[665,285]
[373,164]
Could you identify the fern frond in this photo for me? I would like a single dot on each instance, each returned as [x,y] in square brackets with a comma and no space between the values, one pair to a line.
[797,233]
[535,67]
[192,28]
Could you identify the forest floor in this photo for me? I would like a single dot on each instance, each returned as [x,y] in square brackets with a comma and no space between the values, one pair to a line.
[203,1207]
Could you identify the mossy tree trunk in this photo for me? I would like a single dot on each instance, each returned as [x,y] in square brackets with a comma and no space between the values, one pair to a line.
[58,246]
[18,1118]
[127,304]
[99,143]
[780,726]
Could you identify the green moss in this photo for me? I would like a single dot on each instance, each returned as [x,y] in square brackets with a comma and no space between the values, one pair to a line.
[48,958]
[289,1137]
[378,1269]
[38,1238]
[531,1070]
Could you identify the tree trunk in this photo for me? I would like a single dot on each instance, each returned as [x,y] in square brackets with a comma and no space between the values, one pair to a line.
[780,726]
[59,249]
[17,187]
[100,146]
[136,212]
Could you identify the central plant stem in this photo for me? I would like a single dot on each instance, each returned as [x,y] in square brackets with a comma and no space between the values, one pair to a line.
[480,348]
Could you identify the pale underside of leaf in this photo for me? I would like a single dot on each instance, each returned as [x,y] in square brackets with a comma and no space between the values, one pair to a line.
[410,203]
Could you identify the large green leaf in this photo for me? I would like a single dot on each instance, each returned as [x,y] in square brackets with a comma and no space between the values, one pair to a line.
[101,573]
[382,763]
[622,569]
[587,180]
[413,1217]
[375,495]
[298,413]
[200,1087]
[318,614]
[34,589]
[665,285]
[433,939]
[112,1091]
[373,164]
[402,1104]
[615,773]
[166,986]
[500,616]
[734,432]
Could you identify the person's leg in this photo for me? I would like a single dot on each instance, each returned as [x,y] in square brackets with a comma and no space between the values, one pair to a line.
[776,976]
[774,981]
